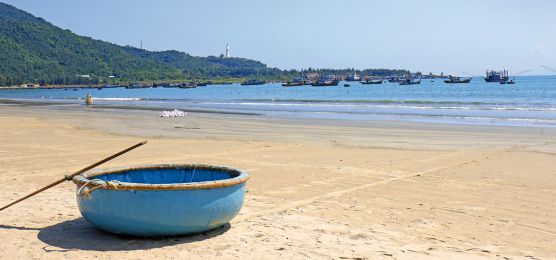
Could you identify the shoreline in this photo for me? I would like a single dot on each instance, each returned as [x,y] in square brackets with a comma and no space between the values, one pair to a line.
[378,116]
[240,126]
[30,103]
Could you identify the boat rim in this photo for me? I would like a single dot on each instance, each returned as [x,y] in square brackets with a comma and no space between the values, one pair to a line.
[87,178]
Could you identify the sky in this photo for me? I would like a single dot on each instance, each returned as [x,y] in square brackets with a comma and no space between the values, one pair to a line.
[454,37]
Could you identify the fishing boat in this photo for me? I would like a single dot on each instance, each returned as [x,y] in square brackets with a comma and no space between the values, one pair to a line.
[508,81]
[496,76]
[204,84]
[353,77]
[456,80]
[372,82]
[410,81]
[187,85]
[252,82]
[326,81]
[395,79]
[295,83]
[161,200]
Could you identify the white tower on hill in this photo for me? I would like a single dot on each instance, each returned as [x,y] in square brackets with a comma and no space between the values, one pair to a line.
[227,51]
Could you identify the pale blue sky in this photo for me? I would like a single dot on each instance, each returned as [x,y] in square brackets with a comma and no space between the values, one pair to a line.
[428,35]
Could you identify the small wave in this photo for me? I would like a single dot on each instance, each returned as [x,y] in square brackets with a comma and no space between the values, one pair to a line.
[371,101]
[118,99]
[398,105]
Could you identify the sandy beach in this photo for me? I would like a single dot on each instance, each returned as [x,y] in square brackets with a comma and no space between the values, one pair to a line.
[328,189]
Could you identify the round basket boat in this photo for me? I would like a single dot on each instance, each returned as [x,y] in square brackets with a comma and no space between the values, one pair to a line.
[161,200]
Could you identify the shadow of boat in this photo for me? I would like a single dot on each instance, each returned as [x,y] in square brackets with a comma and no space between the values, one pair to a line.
[78,234]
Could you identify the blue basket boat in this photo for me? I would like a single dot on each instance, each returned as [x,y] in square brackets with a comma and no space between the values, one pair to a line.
[161,200]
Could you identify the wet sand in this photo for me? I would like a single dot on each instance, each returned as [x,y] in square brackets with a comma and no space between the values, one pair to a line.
[318,188]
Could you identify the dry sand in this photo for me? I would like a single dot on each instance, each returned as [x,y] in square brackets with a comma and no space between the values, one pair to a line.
[318,189]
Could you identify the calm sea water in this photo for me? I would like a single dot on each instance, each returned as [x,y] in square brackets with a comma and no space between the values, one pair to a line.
[530,102]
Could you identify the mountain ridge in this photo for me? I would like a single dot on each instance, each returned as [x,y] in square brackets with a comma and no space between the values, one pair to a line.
[34,50]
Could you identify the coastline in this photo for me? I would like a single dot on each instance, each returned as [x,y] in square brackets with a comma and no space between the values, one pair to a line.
[319,188]
[255,126]
[79,105]
[382,111]
[530,103]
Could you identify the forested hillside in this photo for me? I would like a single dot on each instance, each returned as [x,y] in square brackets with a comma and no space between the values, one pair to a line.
[33,50]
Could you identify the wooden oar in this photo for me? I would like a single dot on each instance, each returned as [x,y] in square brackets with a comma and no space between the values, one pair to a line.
[69,177]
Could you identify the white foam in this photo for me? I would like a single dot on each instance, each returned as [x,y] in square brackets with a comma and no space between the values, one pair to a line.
[119,99]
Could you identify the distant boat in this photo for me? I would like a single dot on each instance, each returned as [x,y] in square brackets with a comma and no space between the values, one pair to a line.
[203,84]
[353,77]
[373,82]
[252,82]
[453,80]
[135,85]
[395,79]
[187,85]
[496,76]
[346,85]
[410,82]
[326,81]
[509,81]
[295,83]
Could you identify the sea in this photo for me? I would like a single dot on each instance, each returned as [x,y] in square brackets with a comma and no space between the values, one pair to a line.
[529,102]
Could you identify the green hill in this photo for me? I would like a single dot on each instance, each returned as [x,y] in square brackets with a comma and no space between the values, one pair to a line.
[33,50]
